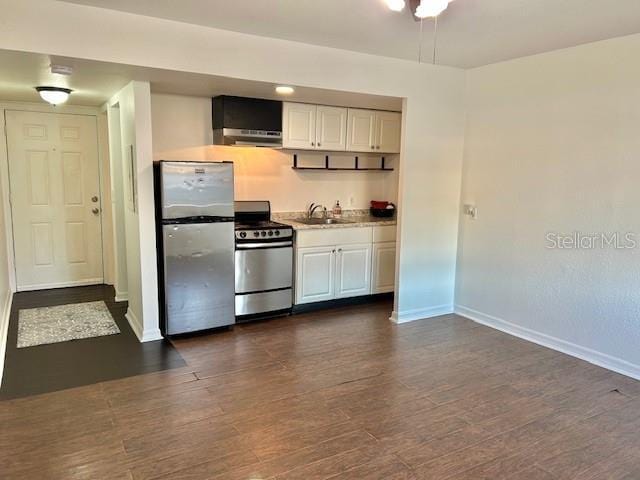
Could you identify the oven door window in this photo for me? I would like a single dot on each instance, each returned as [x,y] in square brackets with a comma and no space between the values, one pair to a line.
[258,270]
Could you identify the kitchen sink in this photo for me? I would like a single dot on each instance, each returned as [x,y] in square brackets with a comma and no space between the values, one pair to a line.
[321,221]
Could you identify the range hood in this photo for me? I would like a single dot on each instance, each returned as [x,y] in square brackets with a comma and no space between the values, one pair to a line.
[247,122]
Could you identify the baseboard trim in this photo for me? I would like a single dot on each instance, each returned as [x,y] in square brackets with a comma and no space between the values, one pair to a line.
[600,359]
[48,286]
[136,326]
[5,314]
[420,313]
[122,297]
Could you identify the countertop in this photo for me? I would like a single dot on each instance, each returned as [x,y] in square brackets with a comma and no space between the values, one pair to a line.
[355,221]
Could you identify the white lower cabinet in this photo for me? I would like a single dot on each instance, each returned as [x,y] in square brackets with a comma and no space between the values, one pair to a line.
[338,271]
[344,262]
[384,267]
[353,270]
[315,273]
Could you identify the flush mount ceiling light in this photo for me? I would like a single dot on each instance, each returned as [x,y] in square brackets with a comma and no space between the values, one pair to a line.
[284,90]
[54,95]
[395,5]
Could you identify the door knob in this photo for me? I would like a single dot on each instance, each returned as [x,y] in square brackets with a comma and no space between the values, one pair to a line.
[94,199]
[95,211]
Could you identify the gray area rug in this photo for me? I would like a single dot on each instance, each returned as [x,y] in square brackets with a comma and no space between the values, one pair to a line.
[39,326]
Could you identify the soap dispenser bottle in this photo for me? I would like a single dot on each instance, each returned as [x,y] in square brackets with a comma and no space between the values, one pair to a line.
[337,210]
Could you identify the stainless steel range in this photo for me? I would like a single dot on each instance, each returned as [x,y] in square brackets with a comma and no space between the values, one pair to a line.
[263,262]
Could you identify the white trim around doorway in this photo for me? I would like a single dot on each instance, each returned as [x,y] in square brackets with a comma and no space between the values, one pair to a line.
[4,180]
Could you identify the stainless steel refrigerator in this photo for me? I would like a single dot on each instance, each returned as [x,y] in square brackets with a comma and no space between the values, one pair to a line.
[196,217]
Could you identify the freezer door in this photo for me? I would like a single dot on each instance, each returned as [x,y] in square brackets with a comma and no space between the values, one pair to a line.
[199,276]
[195,189]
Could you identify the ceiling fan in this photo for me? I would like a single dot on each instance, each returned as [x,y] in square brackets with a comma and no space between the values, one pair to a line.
[420,9]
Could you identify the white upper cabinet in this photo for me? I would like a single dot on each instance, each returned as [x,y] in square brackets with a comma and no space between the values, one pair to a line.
[388,132]
[299,125]
[331,128]
[361,130]
[373,131]
[319,127]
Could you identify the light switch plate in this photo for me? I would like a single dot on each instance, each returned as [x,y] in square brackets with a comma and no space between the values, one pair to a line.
[471,210]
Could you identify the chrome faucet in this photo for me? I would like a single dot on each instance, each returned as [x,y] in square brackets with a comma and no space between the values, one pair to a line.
[312,208]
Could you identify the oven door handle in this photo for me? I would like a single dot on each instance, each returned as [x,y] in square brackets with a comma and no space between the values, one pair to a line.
[249,246]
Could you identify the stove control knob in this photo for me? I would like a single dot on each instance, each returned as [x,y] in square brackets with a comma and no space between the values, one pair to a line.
[263,233]
[256,234]
[243,234]
[277,233]
[270,233]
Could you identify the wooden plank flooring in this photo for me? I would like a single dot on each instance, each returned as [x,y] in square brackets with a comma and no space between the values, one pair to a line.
[340,394]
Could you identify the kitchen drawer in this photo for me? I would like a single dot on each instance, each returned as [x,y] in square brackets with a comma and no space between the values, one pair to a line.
[384,233]
[333,236]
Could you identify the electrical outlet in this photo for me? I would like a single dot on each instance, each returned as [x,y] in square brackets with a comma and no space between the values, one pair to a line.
[471,210]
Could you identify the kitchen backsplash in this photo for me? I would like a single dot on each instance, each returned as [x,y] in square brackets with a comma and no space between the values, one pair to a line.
[293,215]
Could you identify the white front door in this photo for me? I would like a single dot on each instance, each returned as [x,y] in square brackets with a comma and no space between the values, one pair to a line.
[55,199]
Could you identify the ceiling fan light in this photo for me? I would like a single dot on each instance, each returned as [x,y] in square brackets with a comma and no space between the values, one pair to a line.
[395,5]
[54,95]
[431,8]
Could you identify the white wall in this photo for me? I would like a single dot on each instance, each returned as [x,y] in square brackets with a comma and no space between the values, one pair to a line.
[134,109]
[433,113]
[5,252]
[553,145]
[116,177]
[182,131]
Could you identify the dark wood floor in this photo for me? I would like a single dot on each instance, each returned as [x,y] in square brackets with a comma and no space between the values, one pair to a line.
[48,368]
[342,394]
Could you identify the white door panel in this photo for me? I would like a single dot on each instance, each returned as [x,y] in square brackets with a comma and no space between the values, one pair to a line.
[315,267]
[388,125]
[384,267]
[353,271]
[54,180]
[361,130]
[299,126]
[331,128]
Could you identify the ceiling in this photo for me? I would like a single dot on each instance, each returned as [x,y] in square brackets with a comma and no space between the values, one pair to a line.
[93,83]
[471,32]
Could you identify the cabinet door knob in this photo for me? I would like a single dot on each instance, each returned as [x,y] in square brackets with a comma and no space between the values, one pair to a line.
[95,211]
[372,147]
[94,199]
[378,147]
[318,143]
[333,251]
[313,144]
